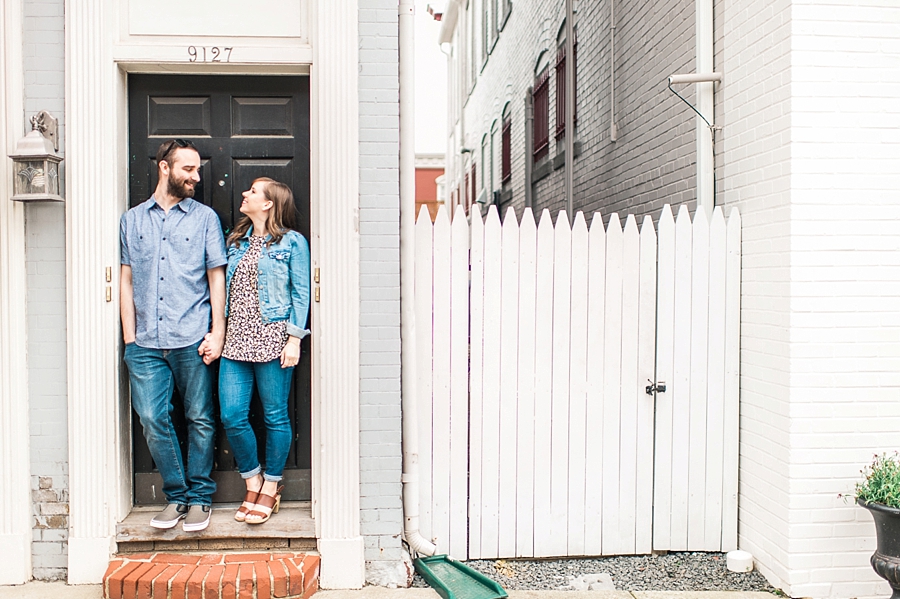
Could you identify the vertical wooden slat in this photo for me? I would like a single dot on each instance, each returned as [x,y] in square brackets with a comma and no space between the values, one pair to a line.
[424,330]
[559,417]
[645,403]
[665,333]
[525,463]
[578,467]
[476,336]
[593,502]
[459,387]
[732,382]
[490,431]
[509,350]
[630,391]
[440,419]
[543,379]
[613,543]
[679,388]
[699,358]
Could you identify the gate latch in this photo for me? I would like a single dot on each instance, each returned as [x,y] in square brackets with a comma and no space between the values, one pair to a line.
[659,387]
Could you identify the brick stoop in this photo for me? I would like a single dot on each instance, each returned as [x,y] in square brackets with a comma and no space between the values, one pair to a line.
[212,576]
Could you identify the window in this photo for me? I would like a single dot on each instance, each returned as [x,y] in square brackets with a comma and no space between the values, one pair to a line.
[561,85]
[485,160]
[472,179]
[541,101]
[506,148]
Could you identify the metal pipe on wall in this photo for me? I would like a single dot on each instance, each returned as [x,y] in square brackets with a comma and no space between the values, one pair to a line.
[705,105]
[570,110]
[613,130]
[408,399]
[529,147]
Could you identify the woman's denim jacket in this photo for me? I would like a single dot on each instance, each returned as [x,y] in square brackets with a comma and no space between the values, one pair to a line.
[282,280]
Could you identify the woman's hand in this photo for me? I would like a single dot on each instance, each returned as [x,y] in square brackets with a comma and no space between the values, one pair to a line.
[290,355]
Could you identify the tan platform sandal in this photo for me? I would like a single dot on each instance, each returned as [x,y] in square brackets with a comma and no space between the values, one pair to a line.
[269,506]
[247,506]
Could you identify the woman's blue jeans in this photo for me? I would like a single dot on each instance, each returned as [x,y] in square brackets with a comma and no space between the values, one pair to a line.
[154,374]
[236,381]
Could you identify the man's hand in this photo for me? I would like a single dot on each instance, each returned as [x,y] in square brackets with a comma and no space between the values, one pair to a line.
[290,355]
[211,347]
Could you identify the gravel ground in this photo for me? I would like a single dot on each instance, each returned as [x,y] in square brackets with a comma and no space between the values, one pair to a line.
[692,571]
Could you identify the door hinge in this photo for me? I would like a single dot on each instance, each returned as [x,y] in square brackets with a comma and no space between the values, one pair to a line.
[317,294]
[659,387]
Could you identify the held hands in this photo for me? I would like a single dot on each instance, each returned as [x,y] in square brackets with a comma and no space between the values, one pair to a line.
[290,355]
[211,347]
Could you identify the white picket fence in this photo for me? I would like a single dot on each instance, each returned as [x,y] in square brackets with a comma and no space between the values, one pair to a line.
[538,437]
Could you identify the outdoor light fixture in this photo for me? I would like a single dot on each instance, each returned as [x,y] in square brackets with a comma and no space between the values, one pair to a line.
[36,163]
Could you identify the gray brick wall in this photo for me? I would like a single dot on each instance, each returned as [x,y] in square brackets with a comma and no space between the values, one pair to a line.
[381,512]
[45,255]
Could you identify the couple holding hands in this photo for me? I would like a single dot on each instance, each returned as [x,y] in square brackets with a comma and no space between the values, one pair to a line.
[188,298]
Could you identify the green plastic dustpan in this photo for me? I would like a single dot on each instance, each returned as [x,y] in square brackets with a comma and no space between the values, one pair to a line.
[455,580]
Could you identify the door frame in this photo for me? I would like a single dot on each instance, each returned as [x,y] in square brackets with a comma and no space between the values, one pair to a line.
[97,64]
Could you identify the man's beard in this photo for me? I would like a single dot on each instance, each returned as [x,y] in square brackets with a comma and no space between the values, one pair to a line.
[179,189]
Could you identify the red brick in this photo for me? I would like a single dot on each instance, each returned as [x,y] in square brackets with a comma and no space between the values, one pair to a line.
[283,556]
[310,570]
[129,583]
[161,582]
[113,566]
[263,585]
[145,584]
[295,578]
[178,588]
[195,582]
[210,559]
[176,558]
[115,580]
[213,584]
[229,582]
[279,579]
[135,557]
[245,584]
[246,558]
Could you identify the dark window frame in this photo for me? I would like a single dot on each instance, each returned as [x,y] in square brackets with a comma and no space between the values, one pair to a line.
[541,124]
[506,149]
[561,87]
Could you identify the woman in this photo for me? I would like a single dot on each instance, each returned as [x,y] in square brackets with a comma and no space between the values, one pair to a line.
[267,304]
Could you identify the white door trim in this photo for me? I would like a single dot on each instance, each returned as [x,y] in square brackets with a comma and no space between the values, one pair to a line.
[100,447]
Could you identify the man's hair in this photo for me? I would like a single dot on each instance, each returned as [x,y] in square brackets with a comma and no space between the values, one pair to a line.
[168,148]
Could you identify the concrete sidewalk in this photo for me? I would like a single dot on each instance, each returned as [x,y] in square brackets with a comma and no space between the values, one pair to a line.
[58,590]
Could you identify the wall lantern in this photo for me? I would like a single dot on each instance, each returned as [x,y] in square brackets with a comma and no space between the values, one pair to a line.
[36,163]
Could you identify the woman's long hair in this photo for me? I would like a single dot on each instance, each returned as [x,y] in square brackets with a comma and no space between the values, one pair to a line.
[282,214]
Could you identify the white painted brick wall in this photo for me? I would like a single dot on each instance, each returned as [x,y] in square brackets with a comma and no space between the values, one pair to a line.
[381,512]
[44,63]
[652,163]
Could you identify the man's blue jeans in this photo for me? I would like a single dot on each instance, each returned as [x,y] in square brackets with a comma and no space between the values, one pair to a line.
[154,374]
[236,381]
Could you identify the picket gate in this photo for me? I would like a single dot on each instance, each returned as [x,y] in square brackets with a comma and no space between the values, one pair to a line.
[542,350]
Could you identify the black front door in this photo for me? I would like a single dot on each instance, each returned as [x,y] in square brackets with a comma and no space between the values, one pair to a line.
[244,127]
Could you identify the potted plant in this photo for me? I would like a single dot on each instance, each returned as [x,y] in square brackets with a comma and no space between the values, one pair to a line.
[879,492]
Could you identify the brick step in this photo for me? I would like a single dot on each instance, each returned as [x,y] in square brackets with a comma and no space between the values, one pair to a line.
[212,576]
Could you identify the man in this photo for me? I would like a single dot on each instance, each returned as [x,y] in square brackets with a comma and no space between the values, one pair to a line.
[172,286]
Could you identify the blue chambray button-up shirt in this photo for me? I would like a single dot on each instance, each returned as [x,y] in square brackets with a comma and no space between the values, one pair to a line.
[169,255]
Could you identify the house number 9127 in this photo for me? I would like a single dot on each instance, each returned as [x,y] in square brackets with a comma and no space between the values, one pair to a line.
[212,54]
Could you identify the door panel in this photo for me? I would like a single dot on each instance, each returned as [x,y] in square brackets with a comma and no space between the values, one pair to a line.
[244,127]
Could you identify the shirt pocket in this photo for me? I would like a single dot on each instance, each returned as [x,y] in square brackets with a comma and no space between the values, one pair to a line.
[278,280]
[187,250]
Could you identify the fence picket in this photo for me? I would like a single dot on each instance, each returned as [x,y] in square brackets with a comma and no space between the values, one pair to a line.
[680,388]
[613,543]
[476,386]
[578,364]
[459,388]
[644,402]
[596,315]
[732,381]
[509,355]
[543,378]
[665,340]
[441,380]
[525,463]
[699,360]
[424,328]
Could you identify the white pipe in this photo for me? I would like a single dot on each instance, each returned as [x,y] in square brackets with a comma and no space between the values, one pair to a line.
[706,182]
[696,78]
[570,111]
[410,476]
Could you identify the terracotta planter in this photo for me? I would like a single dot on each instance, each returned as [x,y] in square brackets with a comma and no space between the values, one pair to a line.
[886,559]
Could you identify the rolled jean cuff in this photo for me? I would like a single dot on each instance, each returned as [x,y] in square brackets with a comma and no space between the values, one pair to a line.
[272,479]
[252,473]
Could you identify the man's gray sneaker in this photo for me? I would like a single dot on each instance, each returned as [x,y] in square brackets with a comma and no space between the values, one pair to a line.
[197,518]
[169,517]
